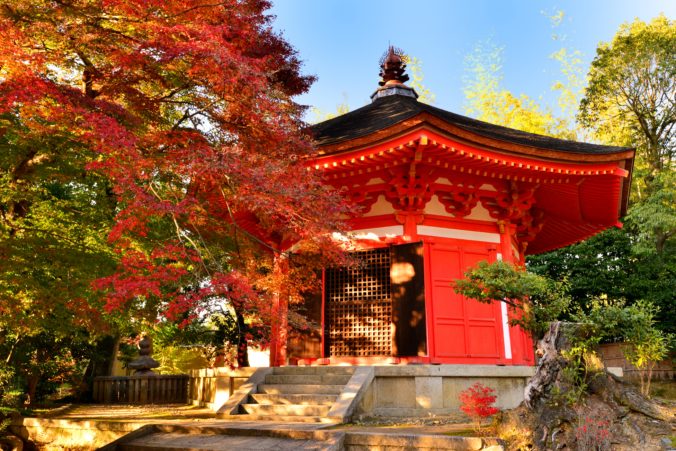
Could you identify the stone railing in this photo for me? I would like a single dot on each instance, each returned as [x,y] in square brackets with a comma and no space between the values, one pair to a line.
[212,387]
[155,389]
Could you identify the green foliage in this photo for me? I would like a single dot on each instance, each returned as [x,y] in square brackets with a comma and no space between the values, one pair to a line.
[414,65]
[631,89]
[645,344]
[54,221]
[197,343]
[179,360]
[629,101]
[320,116]
[610,265]
[6,414]
[653,220]
[536,300]
[583,363]
[489,101]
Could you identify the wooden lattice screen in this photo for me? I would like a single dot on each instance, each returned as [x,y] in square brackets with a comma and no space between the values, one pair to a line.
[359,306]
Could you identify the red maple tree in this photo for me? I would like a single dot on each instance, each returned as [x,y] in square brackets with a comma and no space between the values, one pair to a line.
[186,106]
[477,402]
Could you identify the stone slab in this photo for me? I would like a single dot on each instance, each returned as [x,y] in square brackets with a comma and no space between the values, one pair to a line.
[240,396]
[161,441]
[348,400]
[395,392]
[429,392]
[454,371]
[364,440]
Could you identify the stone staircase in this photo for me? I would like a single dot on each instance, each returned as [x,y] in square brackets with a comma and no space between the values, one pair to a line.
[295,394]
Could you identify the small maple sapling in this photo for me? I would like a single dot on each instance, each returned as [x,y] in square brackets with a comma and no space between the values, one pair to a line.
[477,402]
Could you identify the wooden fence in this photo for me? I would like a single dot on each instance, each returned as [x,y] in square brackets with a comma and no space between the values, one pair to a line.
[158,389]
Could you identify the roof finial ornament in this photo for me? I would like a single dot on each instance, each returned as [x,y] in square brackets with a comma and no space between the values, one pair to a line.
[392,68]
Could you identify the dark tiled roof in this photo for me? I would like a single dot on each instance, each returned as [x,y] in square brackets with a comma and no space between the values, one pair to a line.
[390,110]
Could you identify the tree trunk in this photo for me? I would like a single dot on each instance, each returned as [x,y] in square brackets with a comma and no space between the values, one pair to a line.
[113,356]
[242,344]
[31,388]
[545,421]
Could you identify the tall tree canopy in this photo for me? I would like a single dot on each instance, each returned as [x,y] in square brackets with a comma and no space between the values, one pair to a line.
[167,127]
[631,94]
[488,100]
[629,100]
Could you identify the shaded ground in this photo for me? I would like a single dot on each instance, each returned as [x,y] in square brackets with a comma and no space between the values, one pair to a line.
[455,424]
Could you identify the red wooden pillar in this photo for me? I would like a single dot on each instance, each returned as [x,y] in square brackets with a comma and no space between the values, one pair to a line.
[280,311]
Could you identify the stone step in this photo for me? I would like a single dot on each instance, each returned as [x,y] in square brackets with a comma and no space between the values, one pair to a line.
[286,409]
[163,441]
[277,418]
[304,389]
[314,379]
[310,370]
[323,400]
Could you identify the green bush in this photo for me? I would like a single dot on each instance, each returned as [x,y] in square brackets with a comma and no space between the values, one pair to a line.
[535,300]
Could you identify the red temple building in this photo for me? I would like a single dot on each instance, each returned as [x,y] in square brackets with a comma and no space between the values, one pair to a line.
[438,193]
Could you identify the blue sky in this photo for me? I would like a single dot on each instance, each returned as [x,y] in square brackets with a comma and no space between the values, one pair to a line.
[341,41]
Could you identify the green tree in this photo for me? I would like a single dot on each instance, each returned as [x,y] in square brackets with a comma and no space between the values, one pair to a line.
[630,95]
[644,346]
[535,300]
[54,220]
[414,65]
[609,265]
[630,101]
[488,100]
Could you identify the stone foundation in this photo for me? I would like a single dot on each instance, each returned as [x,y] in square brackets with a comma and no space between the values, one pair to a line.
[421,390]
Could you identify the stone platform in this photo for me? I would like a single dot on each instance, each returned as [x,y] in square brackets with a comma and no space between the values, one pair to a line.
[337,394]
[281,436]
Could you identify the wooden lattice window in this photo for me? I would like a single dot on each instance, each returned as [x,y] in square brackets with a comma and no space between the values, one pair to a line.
[359,306]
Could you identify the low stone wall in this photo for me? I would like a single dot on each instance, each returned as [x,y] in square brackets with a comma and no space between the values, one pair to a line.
[421,390]
[612,356]
[212,387]
[62,434]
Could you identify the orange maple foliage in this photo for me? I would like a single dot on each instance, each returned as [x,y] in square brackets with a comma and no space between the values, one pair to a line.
[187,107]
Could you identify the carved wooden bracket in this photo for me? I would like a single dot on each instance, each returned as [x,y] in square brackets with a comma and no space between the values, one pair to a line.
[530,225]
[511,204]
[460,200]
[409,192]
[359,196]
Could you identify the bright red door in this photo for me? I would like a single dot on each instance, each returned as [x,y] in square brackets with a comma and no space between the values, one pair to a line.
[463,330]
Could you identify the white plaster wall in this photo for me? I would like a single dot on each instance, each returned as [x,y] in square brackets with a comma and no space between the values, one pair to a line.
[458,234]
[395,230]
[479,213]
[381,207]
